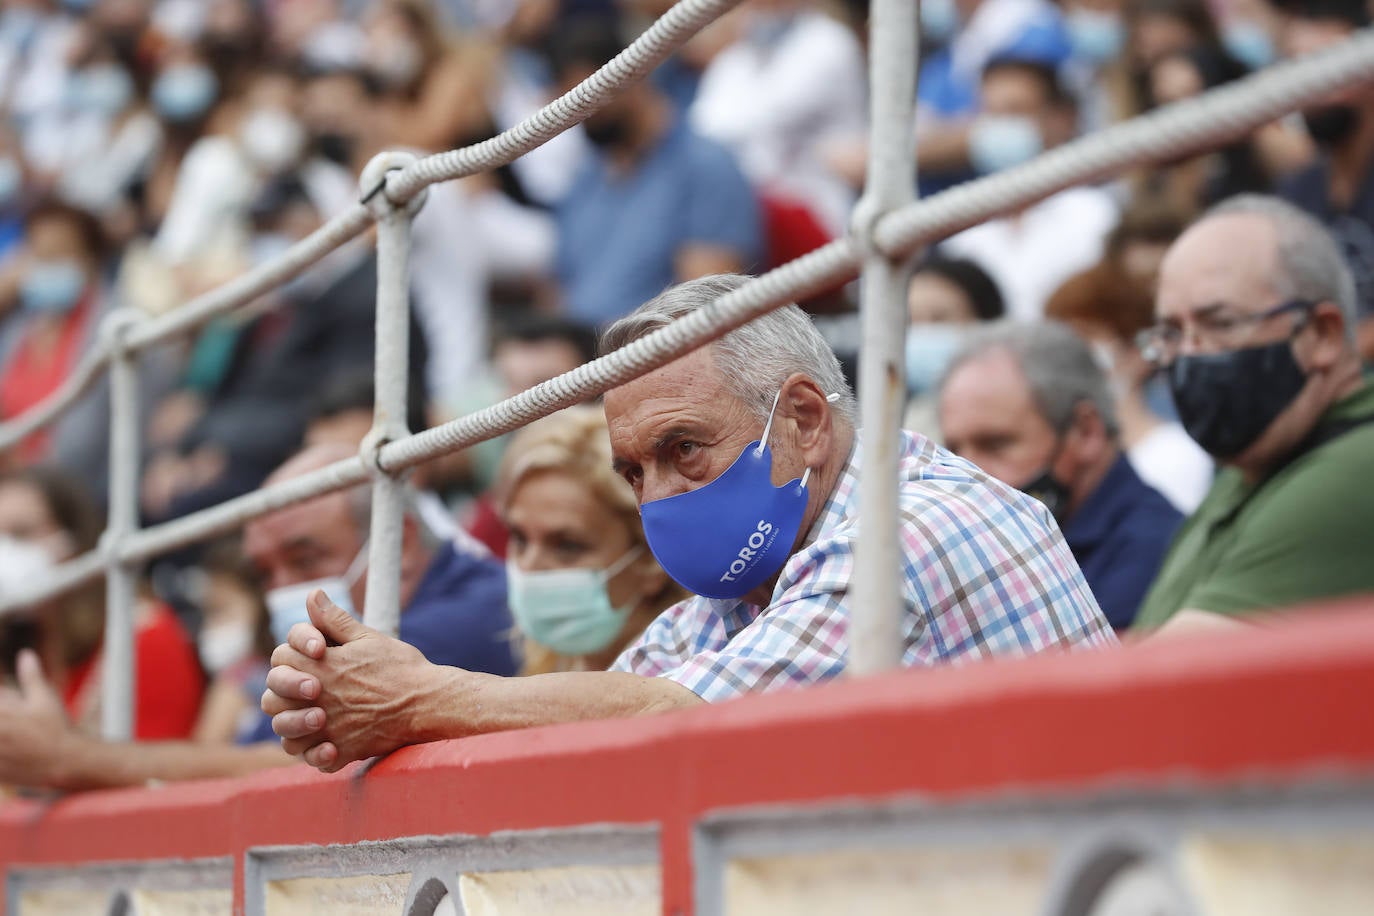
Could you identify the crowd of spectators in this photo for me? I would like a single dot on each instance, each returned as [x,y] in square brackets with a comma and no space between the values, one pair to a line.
[151,150]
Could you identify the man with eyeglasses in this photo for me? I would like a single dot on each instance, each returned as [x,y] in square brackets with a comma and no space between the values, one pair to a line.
[1255,318]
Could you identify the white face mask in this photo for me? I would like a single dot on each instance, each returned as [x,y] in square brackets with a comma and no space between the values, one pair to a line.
[286,605]
[271,139]
[21,563]
[224,644]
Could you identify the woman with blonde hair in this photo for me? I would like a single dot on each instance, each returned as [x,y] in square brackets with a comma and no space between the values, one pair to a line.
[583,583]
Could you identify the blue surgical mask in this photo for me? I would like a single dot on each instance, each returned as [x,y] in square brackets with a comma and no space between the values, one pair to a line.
[998,142]
[286,605]
[1095,36]
[568,610]
[183,93]
[929,348]
[726,538]
[101,88]
[1250,43]
[52,287]
[939,20]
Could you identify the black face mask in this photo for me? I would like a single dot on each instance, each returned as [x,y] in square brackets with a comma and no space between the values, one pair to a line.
[336,147]
[607,132]
[1227,400]
[1331,125]
[1051,491]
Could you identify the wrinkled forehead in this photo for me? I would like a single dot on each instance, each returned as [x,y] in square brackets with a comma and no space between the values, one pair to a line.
[1230,259]
[325,519]
[690,389]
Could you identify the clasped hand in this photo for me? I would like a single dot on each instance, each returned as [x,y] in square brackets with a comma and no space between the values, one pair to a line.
[333,705]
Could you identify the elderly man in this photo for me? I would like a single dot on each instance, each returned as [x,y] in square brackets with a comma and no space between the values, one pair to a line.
[1030,405]
[453,611]
[1260,355]
[746,477]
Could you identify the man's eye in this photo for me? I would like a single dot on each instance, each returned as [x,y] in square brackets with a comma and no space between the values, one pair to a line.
[687,449]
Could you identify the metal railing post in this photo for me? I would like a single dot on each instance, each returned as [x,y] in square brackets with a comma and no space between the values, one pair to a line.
[876,628]
[121,578]
[382,603]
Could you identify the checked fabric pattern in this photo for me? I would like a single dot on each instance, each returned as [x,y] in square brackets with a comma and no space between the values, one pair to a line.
[985,573]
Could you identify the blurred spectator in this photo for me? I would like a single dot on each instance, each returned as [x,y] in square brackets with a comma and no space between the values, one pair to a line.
[1338,188]
[789,90]
[34,41]
[234,642]
[1032,31]
[527,350]
[1029,405]
[945,300]
[1262,363]
[60,299]
[657,204]
[437,88]
[230,424]
[1196,183]
[582,581]
[1024,111]
[1109,305]
[46,518]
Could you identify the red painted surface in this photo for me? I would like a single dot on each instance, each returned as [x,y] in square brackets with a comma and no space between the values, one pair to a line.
[1276,703]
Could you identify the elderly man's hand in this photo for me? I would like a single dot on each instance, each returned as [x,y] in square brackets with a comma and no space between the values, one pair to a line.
[358,699]
[34,730]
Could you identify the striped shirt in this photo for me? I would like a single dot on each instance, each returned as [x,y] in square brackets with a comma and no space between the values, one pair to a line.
[985,571]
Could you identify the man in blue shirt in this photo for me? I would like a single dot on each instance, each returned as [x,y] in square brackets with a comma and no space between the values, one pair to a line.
[1031,406]
[656,204]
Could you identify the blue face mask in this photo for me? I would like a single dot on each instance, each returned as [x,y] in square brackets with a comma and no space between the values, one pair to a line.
[183,93]
[1250,43]
[568,610]
[730,536]
[929,348]
[997,142]
[1096,37]
[52,287]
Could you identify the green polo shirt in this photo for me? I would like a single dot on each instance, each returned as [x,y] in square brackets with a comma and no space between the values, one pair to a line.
[1305,533]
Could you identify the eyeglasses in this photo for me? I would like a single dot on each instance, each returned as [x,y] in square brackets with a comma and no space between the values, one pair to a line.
[1212,332]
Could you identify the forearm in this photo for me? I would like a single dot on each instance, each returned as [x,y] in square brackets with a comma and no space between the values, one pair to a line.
[468,703]
[89,763]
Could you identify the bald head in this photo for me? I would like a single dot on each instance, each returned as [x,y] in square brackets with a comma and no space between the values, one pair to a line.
[311,458]
[1249,254]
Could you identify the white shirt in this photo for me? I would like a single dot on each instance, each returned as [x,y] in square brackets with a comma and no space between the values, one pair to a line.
[780,106]
[1170,461]
[1030,255]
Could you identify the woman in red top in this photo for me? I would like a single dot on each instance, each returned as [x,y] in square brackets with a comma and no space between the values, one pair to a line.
[59,285]
[45,517]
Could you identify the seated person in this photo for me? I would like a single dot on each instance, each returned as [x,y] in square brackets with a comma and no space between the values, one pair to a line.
[1260,356]
[1030,405]
[46,518]
[454,609]
[945,300]
[583,583]
[719,447]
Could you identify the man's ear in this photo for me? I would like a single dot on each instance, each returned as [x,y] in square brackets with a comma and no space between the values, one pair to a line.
[1088,432]
[1330,340]
[812,416]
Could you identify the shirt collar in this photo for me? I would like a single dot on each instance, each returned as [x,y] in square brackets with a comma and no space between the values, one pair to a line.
[1102,510]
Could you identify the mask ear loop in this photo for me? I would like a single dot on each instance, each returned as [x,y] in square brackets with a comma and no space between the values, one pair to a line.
[767,427]
[355,569]
[626,558]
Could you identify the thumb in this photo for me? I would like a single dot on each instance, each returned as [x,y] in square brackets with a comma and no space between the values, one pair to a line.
[33,686]
[333,621]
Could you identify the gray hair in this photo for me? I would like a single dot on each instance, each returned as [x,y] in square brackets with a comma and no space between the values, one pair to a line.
[754,359]
[1311,266]
[1060,368]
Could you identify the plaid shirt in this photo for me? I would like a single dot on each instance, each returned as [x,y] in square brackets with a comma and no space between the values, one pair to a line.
[985,572]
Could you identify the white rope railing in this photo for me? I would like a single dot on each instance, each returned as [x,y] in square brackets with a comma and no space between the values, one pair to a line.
[1195,124]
